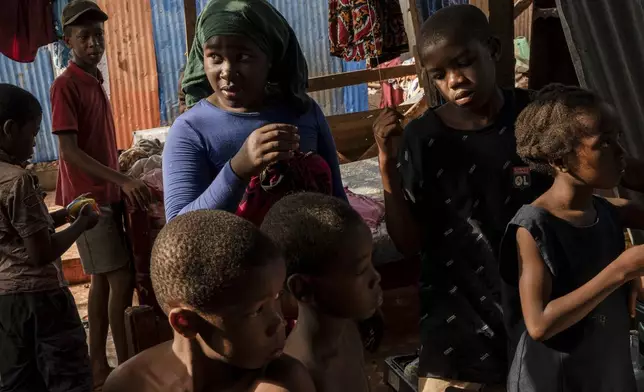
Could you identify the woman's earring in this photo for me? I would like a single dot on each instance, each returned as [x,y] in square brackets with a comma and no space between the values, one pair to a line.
[563,169]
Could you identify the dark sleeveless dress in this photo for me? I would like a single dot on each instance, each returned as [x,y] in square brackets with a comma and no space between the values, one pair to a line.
[593,355]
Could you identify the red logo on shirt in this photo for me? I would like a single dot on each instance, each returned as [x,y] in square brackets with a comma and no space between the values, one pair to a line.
[521,177]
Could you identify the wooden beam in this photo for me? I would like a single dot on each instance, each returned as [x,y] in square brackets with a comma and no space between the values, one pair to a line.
[190,11]
[520,6]
[343,122]
[344,79]
[411,19]
[502,24]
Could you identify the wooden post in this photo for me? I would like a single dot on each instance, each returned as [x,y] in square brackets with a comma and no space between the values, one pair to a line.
[502,23]
[412,28]
[190,11]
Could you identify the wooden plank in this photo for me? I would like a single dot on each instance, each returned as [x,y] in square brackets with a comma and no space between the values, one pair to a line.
[502,24]
[520,6]
[140,329]
[411,20]
[341,122]
[344,79]
[190,10]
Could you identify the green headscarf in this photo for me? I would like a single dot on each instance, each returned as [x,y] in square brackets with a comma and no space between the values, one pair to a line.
[265,26]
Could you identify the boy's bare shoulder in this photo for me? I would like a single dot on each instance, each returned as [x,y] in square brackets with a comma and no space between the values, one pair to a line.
[286,374]
[148,371]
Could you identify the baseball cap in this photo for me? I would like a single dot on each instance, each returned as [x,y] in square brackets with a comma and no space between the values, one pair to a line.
[77,8]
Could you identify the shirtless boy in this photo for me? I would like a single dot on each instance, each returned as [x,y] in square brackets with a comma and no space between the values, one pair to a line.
[218,279]
[328,248]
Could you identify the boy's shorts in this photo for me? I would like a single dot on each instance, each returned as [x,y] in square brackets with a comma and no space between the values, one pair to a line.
[104,248]
[439,385]
[43,344]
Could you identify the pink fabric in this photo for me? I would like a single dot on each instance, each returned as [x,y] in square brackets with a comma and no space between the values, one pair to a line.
[371,210]
[391,93]
[154,179]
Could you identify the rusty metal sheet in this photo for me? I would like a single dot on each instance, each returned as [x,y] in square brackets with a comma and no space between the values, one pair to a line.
[132,65]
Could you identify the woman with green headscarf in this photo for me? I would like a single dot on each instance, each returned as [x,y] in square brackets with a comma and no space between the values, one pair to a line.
[245,84]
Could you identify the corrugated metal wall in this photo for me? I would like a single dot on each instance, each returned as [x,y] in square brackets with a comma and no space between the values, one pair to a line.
[133,71]
[606,43]
[522,24]
[310,22]
[168,21]
[36,78]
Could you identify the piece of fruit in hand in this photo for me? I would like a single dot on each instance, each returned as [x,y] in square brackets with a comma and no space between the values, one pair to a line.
[74,208]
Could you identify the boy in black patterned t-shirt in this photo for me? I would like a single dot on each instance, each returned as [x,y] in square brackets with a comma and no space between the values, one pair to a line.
[452,182]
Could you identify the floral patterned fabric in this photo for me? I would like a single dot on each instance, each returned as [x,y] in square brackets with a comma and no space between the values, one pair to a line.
[366,29]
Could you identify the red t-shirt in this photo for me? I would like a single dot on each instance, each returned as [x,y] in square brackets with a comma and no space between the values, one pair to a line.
[80,105]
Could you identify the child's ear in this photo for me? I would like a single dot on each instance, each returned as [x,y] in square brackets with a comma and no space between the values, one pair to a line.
[559,165]
[494,45]
[300,287]
[8,127]
[184,321]
[66,41]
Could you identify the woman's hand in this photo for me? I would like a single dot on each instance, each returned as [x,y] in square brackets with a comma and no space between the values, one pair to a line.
[266,145]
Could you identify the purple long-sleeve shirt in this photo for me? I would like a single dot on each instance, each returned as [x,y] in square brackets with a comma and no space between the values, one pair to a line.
[196,158]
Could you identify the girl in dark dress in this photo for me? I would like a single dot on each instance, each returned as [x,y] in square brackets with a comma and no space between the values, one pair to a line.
[569,284]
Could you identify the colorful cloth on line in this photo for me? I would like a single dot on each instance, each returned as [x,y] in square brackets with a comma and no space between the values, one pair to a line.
[366,29]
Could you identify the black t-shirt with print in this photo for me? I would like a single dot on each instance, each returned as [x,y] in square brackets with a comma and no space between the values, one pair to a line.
[464,187]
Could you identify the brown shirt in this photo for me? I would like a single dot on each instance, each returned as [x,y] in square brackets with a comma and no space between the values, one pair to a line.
[23,213]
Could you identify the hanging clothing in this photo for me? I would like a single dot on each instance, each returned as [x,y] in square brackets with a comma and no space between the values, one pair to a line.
[25,26]
[391,92]
[366,29]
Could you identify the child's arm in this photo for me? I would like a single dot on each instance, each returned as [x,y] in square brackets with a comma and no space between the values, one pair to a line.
[30,219]
[187,185]
[60,217]
[43,247]
[401,225]
[545,318]
[135,190]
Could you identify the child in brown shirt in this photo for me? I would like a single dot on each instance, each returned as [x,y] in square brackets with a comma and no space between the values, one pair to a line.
[328,249]
[41,335]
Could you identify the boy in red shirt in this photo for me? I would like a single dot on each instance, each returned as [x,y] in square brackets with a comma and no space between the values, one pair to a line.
[82,120]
